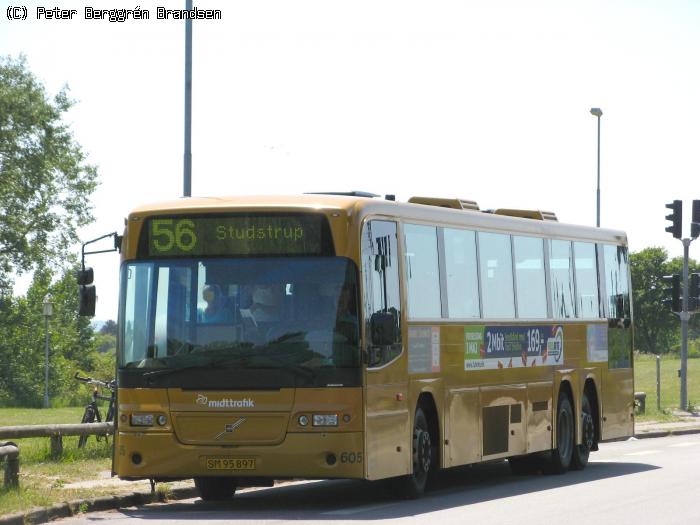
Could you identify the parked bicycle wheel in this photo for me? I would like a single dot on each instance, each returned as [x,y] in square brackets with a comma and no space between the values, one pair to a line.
[88,417]
[98,419]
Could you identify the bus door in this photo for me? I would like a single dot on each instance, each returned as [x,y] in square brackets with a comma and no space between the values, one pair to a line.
[388,445]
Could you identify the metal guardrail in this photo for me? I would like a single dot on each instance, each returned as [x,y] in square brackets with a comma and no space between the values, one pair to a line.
[9,453]
[77,429]
[56,433]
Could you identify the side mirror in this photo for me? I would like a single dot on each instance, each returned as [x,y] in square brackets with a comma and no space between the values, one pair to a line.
[88,294]
[88,300]
[383,329]
[85,276]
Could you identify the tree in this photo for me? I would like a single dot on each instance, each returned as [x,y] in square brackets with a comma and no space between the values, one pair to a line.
[109,328]
[44,180]
[72,345]
[656,326]
[653,320]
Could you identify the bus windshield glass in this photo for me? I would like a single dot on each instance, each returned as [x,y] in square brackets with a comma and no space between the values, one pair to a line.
[282,320]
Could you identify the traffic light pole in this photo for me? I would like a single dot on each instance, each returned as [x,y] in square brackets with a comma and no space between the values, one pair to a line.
[685,317]
[676,230]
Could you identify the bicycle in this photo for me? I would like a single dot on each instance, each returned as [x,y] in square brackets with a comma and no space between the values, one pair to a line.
[92,411]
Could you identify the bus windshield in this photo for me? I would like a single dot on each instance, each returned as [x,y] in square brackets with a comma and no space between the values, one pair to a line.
[182,319]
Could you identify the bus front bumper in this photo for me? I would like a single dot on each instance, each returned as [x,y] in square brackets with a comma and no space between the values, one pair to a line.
[142,455]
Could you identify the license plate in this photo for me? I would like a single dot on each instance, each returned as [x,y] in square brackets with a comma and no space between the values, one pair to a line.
[230,463]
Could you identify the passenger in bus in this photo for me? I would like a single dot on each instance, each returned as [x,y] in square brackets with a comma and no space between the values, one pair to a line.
[266,304]
[217,310]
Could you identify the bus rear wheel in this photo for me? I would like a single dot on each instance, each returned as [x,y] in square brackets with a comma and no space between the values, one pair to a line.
[560,457]
[215,489]
[581,452]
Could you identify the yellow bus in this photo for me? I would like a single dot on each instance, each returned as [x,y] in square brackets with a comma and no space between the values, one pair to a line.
[346,336]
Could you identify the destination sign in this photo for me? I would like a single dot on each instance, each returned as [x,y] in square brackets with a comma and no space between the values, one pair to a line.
[234,235]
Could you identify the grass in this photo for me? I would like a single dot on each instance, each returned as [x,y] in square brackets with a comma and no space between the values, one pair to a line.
[39,416]
[645,381]
[41,478]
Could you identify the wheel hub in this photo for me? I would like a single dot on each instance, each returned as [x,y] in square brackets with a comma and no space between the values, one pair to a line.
[588,431]
[422,456]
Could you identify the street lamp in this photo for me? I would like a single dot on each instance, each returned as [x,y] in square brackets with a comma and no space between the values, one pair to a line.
[597,112]
[48,312]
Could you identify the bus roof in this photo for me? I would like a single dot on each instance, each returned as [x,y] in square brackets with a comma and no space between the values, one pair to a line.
[365,206]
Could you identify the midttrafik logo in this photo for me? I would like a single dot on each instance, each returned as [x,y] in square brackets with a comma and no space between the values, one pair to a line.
[225,403]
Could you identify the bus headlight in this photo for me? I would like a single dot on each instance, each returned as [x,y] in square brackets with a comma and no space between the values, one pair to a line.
[303,420]
[141,420]
[325,420]
[162,420]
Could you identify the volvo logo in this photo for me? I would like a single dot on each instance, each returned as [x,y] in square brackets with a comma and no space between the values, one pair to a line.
[229,428]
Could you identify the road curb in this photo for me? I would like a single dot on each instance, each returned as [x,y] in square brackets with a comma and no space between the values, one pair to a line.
[665,433]
[83,506]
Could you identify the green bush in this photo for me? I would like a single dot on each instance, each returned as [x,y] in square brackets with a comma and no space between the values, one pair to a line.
[693,349]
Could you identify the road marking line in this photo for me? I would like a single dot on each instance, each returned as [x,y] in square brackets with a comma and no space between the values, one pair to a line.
[606,461]
[355,510]
[684,444]
[643,453]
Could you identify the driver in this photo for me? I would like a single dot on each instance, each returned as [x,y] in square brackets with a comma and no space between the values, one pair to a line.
[267,303]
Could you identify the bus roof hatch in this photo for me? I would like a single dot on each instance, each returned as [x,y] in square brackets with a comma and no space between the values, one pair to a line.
[538,215]
[457,204]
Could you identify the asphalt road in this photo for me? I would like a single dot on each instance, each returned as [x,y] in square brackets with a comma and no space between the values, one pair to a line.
[634,482]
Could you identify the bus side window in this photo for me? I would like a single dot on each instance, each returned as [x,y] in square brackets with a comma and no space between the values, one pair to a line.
[382,299]
[616,279]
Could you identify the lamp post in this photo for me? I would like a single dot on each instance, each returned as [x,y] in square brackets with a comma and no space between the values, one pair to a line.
[597,112]
[48,312]
[187,175]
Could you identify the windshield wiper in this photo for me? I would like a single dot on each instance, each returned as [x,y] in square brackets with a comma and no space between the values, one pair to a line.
[250,359]
[169,371]
[206,364]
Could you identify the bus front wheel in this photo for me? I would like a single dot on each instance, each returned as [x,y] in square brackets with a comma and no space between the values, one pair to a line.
[413,485]
[215,489]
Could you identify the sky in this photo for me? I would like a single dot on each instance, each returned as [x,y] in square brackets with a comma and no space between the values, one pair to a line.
[488,101]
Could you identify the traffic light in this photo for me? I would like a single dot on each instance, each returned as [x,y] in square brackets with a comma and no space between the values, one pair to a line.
[694,292]
[676,228]
[88,294]
[673,292]
[695,224]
